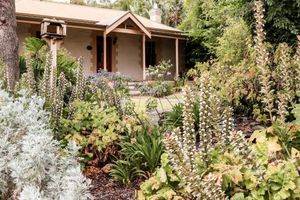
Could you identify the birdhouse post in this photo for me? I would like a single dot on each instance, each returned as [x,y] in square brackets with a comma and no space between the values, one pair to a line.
[53,32]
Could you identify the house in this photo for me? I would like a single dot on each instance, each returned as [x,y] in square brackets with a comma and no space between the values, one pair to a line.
[113,40]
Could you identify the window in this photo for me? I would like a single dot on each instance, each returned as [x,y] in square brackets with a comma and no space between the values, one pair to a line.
[150,54]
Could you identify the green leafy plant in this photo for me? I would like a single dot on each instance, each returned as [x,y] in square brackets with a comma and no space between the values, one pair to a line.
[146,150]
[159,72]
[274,174]
[157,87]
[163,184]
[123,172]
[174,118]
[92,127]
[141,154]
[296,112]
[192,163]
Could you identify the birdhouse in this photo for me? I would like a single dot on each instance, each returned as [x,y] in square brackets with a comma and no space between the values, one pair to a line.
[53,29]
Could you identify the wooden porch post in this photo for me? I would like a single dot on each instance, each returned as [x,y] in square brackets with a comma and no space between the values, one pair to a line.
[177,58]
[144,56]
[104,52]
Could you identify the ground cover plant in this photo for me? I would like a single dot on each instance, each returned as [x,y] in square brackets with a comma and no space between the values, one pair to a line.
[32,164]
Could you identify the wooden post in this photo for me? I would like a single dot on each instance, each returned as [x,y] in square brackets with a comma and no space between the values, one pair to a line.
[144,56]
[104,52]
[177,58]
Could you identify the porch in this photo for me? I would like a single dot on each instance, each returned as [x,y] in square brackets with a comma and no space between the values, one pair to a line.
[125,46]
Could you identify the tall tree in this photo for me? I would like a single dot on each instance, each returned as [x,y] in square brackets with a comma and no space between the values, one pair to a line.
[282,20]
[206,20]
[9,41]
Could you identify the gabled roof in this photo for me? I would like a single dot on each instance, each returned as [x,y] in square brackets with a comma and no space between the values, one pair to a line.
[84,14]
[126,16]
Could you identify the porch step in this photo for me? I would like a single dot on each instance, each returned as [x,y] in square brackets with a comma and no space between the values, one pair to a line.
[133,91]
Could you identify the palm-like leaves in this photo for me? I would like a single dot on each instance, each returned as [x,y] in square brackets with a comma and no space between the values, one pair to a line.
[146,151]
[140,156]
[123,172]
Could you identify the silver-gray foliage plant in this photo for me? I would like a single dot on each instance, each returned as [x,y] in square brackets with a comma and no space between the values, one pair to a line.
[32,165]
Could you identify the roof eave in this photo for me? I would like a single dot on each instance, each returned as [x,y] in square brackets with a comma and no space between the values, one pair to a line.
[88,23]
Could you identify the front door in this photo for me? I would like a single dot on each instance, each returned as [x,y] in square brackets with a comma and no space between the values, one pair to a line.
[100,62]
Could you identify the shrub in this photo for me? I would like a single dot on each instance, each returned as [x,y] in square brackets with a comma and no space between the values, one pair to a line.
[32,165]
[174,118]
[35,53]
[123,172]
[162,89]
[192,160]
[219,163]
[163,184]
[117,81]
[157,87]
[235,45]
[141,156]
[92,127]
[159,72]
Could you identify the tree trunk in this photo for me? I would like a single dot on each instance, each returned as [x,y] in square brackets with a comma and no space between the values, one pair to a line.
[9,41]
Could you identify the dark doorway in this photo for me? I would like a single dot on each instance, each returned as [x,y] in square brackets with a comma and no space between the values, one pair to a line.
[150,53]
[100,62]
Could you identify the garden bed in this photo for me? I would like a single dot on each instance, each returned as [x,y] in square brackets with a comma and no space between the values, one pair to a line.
[104,188]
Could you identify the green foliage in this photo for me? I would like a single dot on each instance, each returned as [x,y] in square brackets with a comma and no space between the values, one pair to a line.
[161,89]
[205,20]
[158,87]
[236,85]
[141,156]
[151,104]
[123,172]
[282,19]
[278,175]
[163,184]
[265,89]
[67,64]
[36,51]
[268,171]
[235,44]
[296,112]
[193,158]
[175,117]
[159,72]
[92,127]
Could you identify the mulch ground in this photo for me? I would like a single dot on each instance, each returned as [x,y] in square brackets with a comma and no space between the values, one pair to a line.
[105,188]
[246,125]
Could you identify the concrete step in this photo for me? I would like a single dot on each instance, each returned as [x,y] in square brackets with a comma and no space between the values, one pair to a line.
[133,91]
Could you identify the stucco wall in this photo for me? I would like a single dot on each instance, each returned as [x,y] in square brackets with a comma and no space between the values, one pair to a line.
[76,42]
[23,31]
[128,60]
